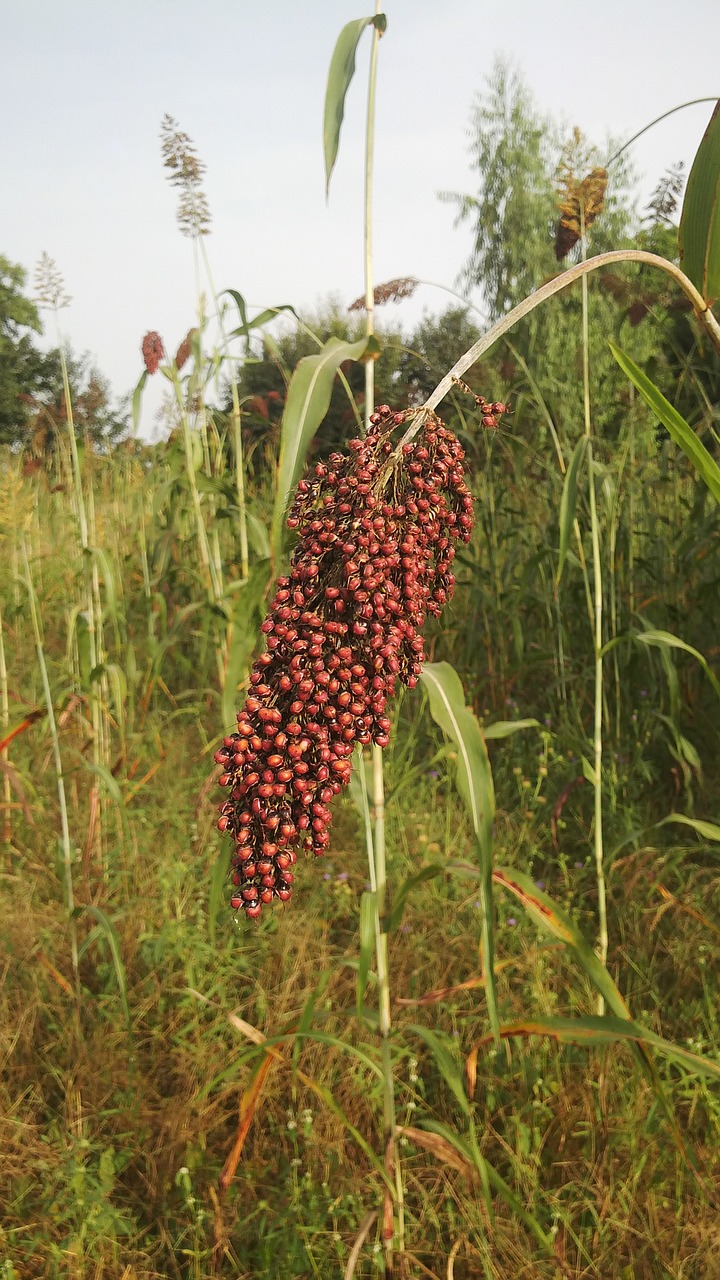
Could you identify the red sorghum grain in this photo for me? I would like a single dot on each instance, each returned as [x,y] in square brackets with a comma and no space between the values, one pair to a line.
[152,351]
[376,529]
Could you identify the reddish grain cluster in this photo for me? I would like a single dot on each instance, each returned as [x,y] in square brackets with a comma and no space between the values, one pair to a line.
[152,351]
[376,531]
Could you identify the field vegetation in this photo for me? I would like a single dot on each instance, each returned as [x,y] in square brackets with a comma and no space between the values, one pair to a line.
[506,1060]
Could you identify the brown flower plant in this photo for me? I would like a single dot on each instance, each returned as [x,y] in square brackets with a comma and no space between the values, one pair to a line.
[377,529]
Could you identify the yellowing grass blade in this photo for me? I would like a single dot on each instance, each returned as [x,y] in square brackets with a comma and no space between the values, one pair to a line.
[591,1031]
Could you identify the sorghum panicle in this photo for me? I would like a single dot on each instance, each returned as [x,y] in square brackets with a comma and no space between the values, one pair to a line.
[377,528]
[152,351]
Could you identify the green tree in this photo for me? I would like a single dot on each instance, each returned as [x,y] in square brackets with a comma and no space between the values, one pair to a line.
[513,151]
[21,362]
[96,419]
[264,377]
[32,400]
[526,171]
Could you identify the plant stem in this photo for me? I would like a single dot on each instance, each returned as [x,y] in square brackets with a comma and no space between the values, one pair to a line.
[506,322]
[236,420]
[90,576]
[4,726]
[598,637]
[378,873]
[64,824]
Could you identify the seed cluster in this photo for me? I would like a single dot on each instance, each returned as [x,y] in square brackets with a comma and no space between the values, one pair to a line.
[376,529]
[152,351]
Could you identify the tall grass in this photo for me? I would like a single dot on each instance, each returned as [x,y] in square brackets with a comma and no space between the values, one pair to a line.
[126,627]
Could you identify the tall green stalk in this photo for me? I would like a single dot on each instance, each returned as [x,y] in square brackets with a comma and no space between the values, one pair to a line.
[52,724]
[4,726]
[91,578]
[376,847]
[598,643]
[236,421]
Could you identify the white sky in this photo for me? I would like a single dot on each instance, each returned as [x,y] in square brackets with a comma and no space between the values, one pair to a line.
[84,85]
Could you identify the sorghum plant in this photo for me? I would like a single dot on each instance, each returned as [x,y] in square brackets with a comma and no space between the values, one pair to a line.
[377,528]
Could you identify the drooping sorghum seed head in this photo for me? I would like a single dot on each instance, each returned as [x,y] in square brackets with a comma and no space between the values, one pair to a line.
[389,291]
[152,351]
[376,529]
[182,354]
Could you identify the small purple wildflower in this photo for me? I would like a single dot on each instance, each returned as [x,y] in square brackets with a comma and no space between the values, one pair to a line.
[539,884]
[511,921]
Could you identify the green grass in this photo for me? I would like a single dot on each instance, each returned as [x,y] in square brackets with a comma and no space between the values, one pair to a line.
[120,1108]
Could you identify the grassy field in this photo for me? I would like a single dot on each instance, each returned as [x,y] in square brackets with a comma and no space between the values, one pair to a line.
[120,1090]
[505,1059]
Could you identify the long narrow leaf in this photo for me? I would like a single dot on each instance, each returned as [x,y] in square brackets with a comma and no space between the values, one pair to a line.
[568,503]
[506,728]
[454,1142]
[549,916]
[591,1031]
[475,784]
[342,70]
[681,432]
[446,1064]
[667,640]
[699,237]
[307,403]
[106,928]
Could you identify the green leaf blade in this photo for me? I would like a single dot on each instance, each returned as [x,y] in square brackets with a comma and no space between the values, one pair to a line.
[342,70]
[699,238]
[568,503]
[681,432]
[475,783]
[308,400]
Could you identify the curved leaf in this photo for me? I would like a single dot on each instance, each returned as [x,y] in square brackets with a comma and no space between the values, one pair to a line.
[505,728]
[308,400]
[545,912]
[708,830]
[667,640]
[683,435]
[568,502]
[137,399]
[446,1063]
[472,1159]
[592,1031]
[106,928]
[475,784]
[342,70]
[264,317]
[699,237]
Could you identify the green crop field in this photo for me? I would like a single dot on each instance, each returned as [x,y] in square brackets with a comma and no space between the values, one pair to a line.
[455,1015]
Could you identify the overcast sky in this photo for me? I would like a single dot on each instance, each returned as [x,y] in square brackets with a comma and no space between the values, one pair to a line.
[85,84]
